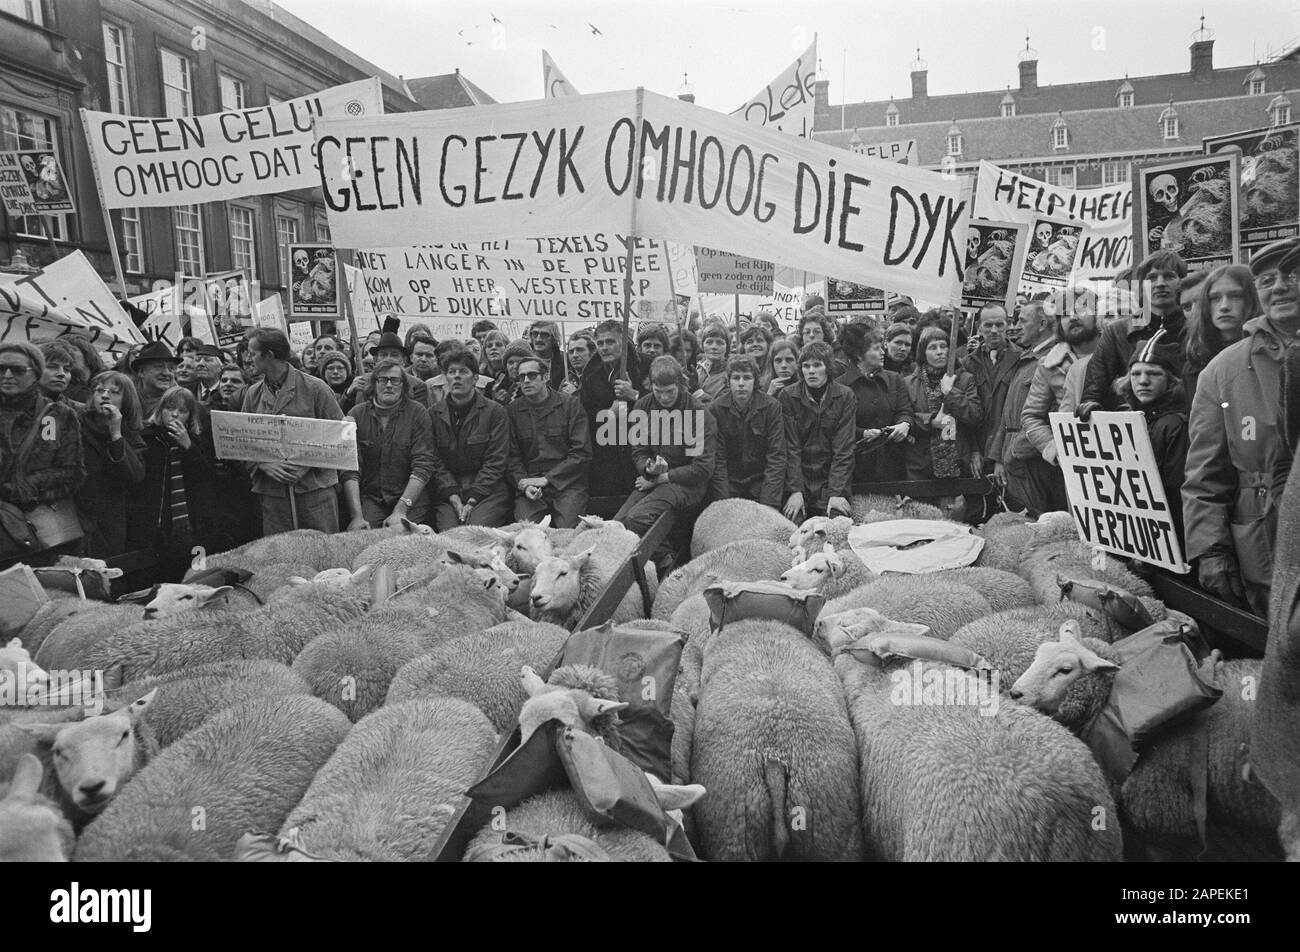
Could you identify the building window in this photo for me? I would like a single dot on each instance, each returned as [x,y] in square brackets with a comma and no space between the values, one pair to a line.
[1062,176]
[178,97]
[29,10]
[1170,126]
[243,240]
[891,119]
[1126,100]
[1112,173]
[134,261]
[1257,87]
[954,144]
[323,230]
[119,97]
[26,130]
[1008,110]
[1060,137]
[287,232]
[272,99]
[234,95]
[1281,115]
[188,222]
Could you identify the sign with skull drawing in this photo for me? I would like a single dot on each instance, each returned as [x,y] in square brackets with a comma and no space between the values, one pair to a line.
[1190,207]
[995,256]
[313,287]
[1053,250]
[1270,182]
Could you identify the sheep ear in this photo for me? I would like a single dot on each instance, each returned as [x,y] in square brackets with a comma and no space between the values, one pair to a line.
[594,707]
[1069,632]
[27,778]
[546,522]
[489,582]
[297,580]
[139,706]
[144,595]
[111,573]
[455,558]
[45,733]
[203,598]
[583,557]
[1091,661]
[678,796]
[362,574]
[530,680]
[410,526]
[16,643]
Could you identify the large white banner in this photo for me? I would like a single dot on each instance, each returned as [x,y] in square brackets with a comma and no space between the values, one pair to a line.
[68,297]
[1105,214]
[554,83]
[145,162]
[495,172]
[786,104]
[576,279]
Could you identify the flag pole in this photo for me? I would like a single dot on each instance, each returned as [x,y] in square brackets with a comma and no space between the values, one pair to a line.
[341,281]
[108,218]
[635,189]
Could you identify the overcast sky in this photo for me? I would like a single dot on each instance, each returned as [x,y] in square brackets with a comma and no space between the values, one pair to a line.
[732,48]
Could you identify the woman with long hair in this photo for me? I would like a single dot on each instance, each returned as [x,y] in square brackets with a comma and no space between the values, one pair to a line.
[112,450]
[494,355]
[1228,300]
[947,412]
[395,449]
[336,370]
[782,367]
[158,513]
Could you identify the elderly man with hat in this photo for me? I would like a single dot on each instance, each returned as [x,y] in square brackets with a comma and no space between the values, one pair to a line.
[154,369]
[208,361]
[1236,442]
[388,345]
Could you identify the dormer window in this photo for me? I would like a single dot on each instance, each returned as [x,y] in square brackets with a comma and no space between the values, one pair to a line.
[1257,87]
[1124,95]
[1008,105]
[1255,82]
[1060,133]
[891,114]
[954,143]
[1279,111]
[1169,122]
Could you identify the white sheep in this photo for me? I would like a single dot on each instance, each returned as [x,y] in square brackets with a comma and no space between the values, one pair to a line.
[1070,680]
[833,573]
[481,668]
[24,679]
[402,551]
[817,531]
[941,605]
[393,784]
[1009,639]
[93,759]
[748,560]
[874,507]
[32,828]
[573,707]
[955,776]
[773,746]
[243,770]
[567,584]
[733,520]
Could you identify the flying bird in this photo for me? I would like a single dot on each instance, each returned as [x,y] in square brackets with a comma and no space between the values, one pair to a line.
[493,16]
[594,30]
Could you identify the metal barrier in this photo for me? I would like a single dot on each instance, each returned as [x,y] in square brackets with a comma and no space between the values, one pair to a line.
[470,815]
[1242,627]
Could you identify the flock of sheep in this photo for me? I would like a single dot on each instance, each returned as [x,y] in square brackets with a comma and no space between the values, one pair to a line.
[306,701]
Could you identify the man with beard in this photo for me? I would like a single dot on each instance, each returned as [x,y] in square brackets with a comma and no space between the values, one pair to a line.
[1237,451]
[1076,332]
[1160,274]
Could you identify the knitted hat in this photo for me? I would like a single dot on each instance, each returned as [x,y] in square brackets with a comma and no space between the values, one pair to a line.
[334,357]
[1159,351]
[517,348]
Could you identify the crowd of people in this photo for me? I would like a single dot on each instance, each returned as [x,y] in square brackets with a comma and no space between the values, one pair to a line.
[103,461]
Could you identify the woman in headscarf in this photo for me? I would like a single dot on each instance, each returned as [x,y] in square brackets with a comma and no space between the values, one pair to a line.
[336,370]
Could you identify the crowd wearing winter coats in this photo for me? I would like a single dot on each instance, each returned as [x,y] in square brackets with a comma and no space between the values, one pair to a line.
[490,430]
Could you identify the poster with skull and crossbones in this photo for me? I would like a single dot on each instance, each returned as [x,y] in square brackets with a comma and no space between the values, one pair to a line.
[995,257]
[1190,207]
[1053,249]
[313,286]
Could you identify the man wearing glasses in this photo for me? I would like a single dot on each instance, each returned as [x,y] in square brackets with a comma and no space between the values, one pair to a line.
[550,449]
[1235,429]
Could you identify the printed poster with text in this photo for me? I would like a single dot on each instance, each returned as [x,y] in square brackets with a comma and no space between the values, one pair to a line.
[1116,496]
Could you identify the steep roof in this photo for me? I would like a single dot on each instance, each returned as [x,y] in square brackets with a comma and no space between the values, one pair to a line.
[1108,131]
[1067,97]
[447,91]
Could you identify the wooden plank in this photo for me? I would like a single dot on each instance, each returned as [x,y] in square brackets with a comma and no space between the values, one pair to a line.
[470,815]
[1242,627]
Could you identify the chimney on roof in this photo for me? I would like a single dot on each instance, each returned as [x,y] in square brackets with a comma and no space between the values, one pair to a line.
[920,70]
[1202,54]
[686,92]
[1028,70]
[821,90]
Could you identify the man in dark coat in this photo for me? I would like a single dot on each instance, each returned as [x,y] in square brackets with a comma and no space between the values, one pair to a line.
[550,449]
[472,437]
[992,365]
[751,456]
[819,438]
[612,472]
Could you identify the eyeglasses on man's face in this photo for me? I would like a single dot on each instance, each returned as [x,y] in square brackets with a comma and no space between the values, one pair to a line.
[531,375]
[15,370]
[388,381]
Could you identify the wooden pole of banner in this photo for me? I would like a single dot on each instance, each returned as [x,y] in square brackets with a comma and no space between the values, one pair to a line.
[672,290]
[108,221]
[736,304]
[634,186]
[342,283]
[45,227]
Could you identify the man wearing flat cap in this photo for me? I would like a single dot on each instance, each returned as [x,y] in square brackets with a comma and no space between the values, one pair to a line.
[1237,443]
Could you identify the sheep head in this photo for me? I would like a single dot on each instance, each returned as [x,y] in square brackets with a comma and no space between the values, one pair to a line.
[805,537]
[573,707]
[491,558]
[32,829]
[832,632]
[1057,666]
[417,528]
[94,757]
[815,571]
[173,598]
[341,580]
[557,582]
[530,546]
